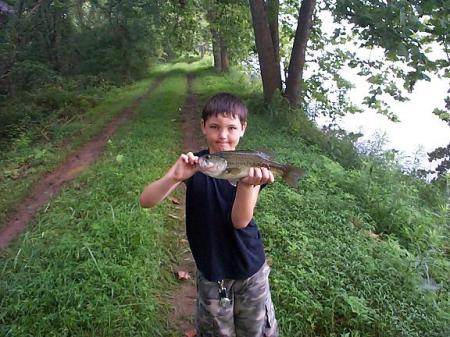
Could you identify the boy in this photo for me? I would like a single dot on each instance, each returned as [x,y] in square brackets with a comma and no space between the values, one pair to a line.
[233,296]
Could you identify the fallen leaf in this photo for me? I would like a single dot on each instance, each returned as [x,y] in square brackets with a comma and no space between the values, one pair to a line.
[183,275]
[174,200]
[190,333]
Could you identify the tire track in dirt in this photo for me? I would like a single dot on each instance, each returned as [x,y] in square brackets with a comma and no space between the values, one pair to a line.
[68,170]
[182,300]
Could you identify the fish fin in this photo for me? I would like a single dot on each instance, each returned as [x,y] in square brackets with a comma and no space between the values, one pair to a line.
[233,182]
[266,153]
[292,175]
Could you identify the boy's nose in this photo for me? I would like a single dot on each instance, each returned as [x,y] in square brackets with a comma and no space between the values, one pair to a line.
[223,133]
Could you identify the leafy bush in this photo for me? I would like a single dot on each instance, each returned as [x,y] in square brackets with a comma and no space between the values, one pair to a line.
[61,100]
[338,144]
[37,107]
[29,75]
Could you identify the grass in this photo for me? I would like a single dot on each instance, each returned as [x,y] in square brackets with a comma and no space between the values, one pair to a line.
[29,160]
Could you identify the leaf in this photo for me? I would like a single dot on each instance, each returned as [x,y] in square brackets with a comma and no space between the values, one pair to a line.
[183,275]
[357,305]
[119,158]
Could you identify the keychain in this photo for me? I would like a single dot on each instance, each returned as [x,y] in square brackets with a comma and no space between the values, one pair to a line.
[224,301]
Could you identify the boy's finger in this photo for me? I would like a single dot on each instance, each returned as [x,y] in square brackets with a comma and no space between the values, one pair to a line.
[265,173]
[258,173]
[257,176]
[184,158]
[192,158]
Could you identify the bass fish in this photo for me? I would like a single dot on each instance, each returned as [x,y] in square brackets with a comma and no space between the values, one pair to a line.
[233,165]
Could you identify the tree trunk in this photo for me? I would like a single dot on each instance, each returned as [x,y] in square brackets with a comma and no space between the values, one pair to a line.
[273,10]
[294,82]
[269,67]
[216,50]
[225,64]
[211,17]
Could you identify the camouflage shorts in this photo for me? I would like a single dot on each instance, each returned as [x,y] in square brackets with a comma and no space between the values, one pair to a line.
[249,314]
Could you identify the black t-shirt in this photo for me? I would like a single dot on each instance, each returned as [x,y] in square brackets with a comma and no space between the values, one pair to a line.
[220,251]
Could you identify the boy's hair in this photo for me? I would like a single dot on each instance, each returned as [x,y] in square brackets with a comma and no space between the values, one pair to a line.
[225,104]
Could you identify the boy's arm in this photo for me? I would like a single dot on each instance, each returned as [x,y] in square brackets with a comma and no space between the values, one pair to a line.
[247,195]
[157,191]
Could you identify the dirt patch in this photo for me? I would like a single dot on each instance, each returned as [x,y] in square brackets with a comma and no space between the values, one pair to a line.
[76,163]
[182,300]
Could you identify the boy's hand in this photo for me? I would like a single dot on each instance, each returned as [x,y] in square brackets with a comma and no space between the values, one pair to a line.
[184,167]
[258,176]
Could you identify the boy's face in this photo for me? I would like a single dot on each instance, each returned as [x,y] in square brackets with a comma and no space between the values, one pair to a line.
[222,133]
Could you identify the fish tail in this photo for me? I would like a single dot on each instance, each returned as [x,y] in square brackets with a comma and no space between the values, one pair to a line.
[292,175]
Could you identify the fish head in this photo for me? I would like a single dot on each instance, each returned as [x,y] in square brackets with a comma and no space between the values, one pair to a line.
[212,165]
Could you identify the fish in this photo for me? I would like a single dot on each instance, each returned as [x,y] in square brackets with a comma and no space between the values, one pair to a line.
[233,165]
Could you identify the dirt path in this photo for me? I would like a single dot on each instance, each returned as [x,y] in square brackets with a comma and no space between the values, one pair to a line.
[76,163]
[183,299]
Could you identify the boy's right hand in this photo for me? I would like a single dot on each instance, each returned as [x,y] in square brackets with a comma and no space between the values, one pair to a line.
[184,167]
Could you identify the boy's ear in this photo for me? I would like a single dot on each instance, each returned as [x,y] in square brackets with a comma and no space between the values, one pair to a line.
[202,125]
[244,127]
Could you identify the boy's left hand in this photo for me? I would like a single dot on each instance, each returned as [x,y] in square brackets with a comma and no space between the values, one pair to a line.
[258,176]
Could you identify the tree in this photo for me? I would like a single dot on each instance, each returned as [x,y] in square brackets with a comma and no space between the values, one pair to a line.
[228,23]
[266,47]
[297,63]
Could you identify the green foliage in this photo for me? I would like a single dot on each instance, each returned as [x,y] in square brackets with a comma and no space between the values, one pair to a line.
[232,19]
[30,75]
[37,108]
[334,142]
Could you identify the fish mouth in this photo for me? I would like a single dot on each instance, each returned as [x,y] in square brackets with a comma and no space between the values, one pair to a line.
[204,165]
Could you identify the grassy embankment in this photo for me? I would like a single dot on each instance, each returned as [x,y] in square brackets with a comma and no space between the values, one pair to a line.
[97,265]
